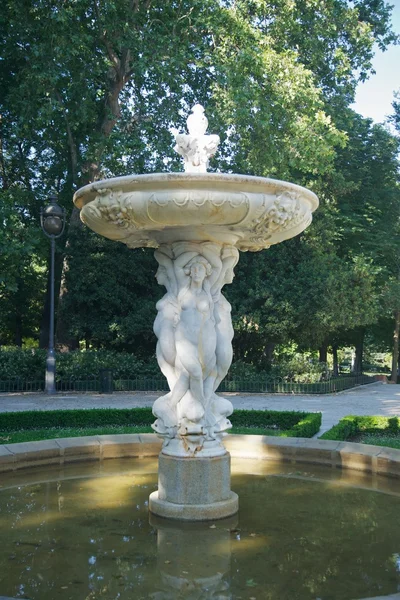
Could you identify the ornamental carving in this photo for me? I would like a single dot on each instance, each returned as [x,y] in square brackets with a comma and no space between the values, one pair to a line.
[199,198]
[113,207]
[285,213]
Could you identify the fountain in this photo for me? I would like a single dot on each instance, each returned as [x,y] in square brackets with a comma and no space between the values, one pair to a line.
[197,222]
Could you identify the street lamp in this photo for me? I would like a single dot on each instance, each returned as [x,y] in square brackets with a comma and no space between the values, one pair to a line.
[52,220]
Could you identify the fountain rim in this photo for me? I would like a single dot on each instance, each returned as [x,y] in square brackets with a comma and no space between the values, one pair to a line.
[225,181]
[336,454]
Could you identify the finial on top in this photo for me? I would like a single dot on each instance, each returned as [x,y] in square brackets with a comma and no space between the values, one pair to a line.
[196,147]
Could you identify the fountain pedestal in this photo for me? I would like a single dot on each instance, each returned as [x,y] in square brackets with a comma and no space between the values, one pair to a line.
[197,222]
[194,489]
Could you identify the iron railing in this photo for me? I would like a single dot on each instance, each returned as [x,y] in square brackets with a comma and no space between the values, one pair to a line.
[266,385]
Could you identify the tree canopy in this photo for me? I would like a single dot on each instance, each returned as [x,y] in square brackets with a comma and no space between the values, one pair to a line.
[91,89]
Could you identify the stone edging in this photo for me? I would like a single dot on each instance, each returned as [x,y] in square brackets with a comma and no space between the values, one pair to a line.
[347,455]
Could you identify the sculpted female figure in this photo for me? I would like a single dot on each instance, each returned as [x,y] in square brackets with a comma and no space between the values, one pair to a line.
[164,328]
[167,315]
[220,408]
[194,334]
[222,312]
[197,267]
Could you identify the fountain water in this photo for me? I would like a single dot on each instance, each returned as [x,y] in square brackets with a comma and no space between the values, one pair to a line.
[198,222]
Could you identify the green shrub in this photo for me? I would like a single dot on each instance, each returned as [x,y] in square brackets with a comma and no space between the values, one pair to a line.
[30,364]
[394,424]
[293,424]
[301,368]
[24,364]
[346,428]
[307,427]
[300,424]
[352,425]
[94,417]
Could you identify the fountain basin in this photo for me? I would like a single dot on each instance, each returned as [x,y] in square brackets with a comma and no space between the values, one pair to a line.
[82,530]
[248,212]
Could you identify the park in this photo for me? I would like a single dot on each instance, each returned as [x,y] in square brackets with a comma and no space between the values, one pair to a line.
[239,436]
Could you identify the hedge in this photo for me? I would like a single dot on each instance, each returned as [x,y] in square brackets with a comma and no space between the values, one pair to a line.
[352,425]
[293,424]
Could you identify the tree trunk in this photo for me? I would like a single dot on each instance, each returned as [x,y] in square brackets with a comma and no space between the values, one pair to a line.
[18,328]
[359,348]
[323,353]
[268,353]
[335,361]
[395,355]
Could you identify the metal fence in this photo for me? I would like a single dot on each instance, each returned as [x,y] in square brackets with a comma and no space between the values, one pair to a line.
[270,385]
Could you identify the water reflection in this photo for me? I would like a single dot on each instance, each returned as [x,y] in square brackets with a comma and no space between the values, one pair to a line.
[193,559]
[83,533]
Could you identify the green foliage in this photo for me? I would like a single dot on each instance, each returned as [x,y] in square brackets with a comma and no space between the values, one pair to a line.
[22,268]
[394,424]
[101,102]
[30,364]
[307,427]
[95,417]
[111,295]
[26,364]
[293,424]
[352,425]
[299,368]
[33,435]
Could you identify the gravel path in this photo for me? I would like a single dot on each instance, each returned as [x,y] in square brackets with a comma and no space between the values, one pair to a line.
[373,399]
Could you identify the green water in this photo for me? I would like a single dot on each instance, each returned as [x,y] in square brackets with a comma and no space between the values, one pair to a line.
[83,533]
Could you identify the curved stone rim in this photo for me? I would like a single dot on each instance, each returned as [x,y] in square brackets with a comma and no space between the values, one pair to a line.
[377,460]
[247,183]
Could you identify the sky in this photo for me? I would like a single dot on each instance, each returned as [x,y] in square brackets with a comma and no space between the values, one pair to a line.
[374,97]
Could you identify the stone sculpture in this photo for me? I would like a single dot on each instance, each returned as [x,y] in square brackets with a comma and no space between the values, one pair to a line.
[194,349]
[196,148]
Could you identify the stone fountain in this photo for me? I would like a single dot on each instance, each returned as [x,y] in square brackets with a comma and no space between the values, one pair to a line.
[197,222]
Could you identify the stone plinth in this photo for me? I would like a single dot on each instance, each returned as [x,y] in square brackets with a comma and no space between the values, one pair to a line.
[194,489]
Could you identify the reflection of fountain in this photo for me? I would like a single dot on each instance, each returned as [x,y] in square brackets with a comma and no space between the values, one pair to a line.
[198,222]
[193,561]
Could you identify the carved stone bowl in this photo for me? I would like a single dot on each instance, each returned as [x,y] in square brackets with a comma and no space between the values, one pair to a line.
[148,210]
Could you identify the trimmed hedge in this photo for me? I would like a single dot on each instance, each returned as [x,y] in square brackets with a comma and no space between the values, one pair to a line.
[93,417]
[352,425]
[292,424]
[295,424]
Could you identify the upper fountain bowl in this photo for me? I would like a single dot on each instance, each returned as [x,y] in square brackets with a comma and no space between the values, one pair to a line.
[251,213]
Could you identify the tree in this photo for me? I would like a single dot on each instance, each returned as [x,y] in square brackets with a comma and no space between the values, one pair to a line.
[106,80]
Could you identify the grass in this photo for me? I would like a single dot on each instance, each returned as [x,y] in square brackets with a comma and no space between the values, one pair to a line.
[378,439]
[257,431]
[34,435]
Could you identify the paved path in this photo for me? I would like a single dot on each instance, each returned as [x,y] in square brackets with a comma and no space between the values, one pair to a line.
[373,399]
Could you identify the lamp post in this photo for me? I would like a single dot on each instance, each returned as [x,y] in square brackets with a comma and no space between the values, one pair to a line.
[52,220]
